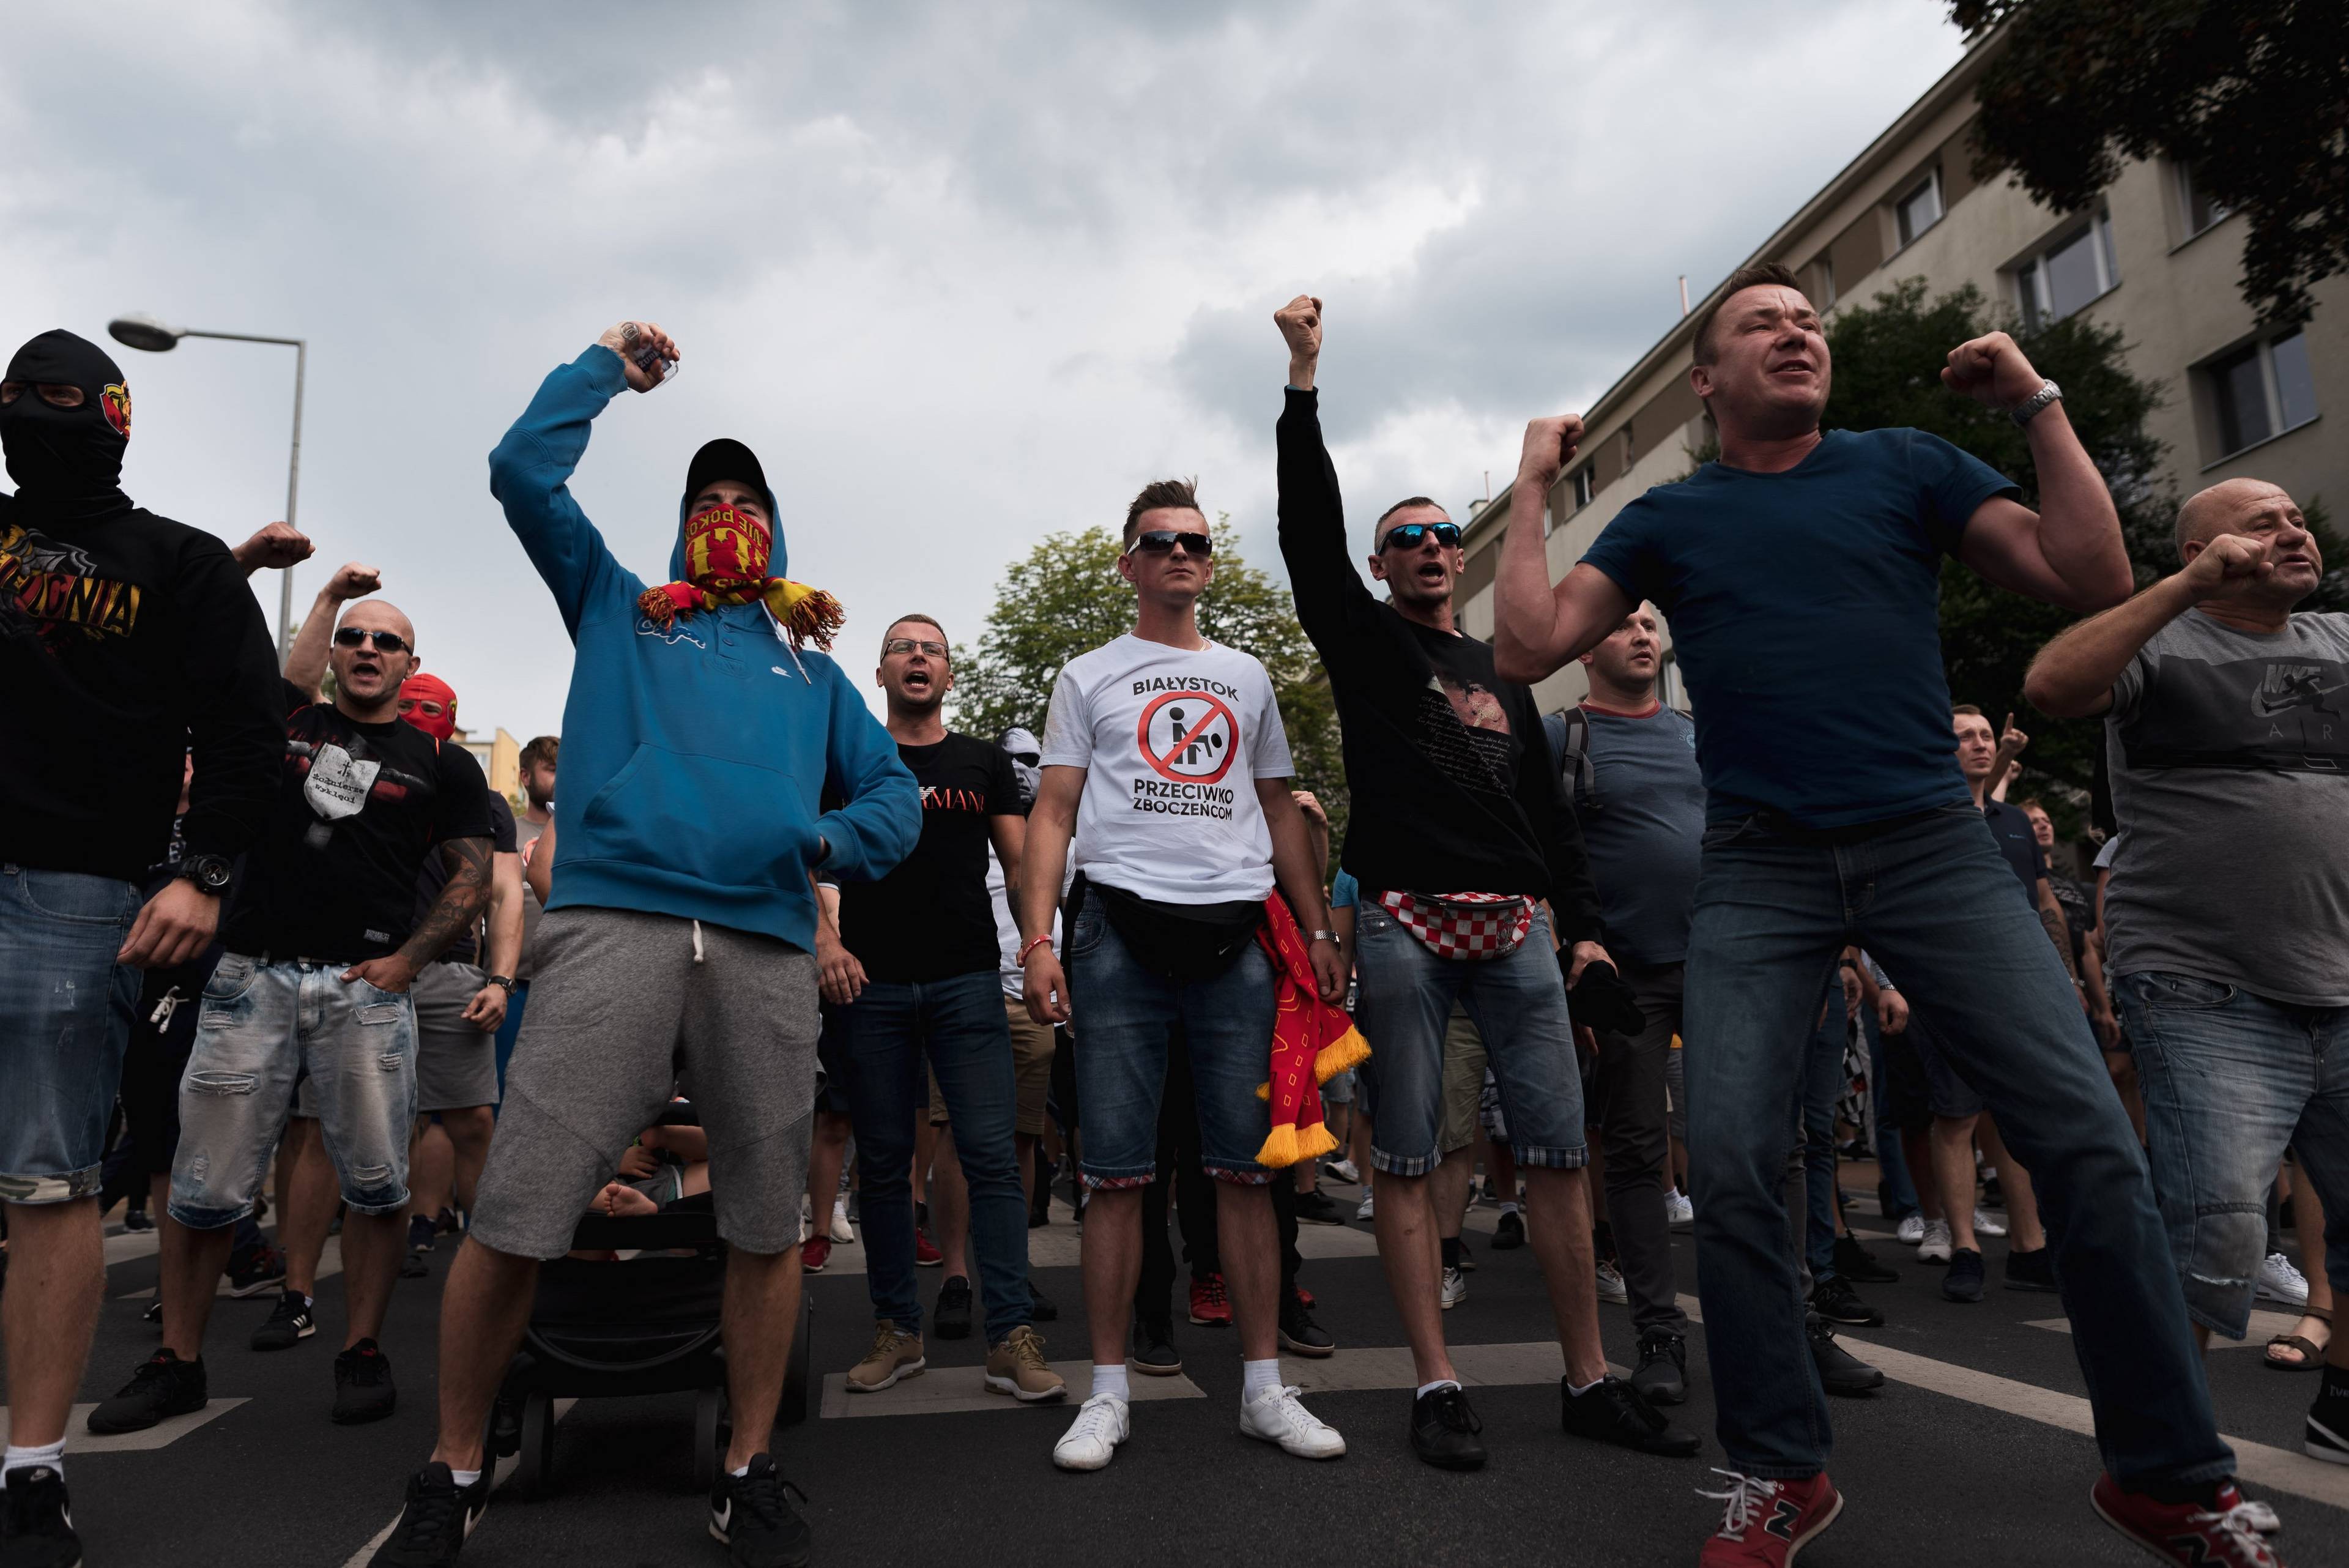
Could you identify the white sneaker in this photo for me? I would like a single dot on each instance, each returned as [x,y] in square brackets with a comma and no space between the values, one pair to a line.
[1988,1225]
[1610,1285]
[1911,1230]
[1344,1170]
[842,1231]
[1365,1211]
[1278,1416]
[1933,1246]
[1455,1289]
[2279,1282]
[1678,1210]
[1102,1423]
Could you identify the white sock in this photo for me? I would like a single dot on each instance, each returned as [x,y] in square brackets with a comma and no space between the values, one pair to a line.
[1510,1207]
[1427,1388]
[464,1477]
[1255,1376]
[743,1472]
[1585,1388]
[52,1455]
[1109,1377]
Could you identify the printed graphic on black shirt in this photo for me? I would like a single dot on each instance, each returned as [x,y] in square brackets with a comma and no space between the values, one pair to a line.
[2285,714]
[1464,730]
[930,917]
[59,588]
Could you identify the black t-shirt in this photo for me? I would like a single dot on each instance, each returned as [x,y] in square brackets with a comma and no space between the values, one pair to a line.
[333,873]
[930,918]
[2010,825]
[466,949]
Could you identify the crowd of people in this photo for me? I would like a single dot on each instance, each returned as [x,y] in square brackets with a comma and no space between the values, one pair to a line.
[278,916]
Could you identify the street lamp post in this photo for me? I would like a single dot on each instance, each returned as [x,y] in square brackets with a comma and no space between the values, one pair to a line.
[156,337]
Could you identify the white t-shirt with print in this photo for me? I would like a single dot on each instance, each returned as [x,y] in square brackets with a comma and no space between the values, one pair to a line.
[1173,742]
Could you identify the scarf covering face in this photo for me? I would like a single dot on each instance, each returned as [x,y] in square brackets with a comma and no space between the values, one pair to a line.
[416,691]
[726,554]
[1312,1043]
[68,459]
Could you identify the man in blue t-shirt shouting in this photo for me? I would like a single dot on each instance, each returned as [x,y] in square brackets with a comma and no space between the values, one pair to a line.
[1801,573]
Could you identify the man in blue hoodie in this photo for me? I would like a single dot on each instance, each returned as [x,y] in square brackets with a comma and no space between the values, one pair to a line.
[698,739]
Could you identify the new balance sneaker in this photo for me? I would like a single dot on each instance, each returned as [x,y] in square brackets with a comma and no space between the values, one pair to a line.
[1911,1230]
[255,1270]
[36,1521]
[1318,1208]
[1679,1212]
[440,1515]
[2217,1532]
[1444,1429]
[1988,1225]
[896,1354]
[363,1390]
[1017,1368]
[1662,1372]
[1612,1288]
[163,1386]
[925,1252]
[1856,1263]
[2279,1281]
[2031,1271]
[289,1324]
[1102,1423]
[417,1262]
[2327,1435]
[1211,1307]
[1299,1334]
[1840,1371]
[757,1523]
[1369,1206]
[815,1254]
[1964,1282]
[951,1318]
[1278,1416]
[1616,1412]
[1454,1289]
[1933,1244]
[1763,1522]
[1836,1301]
[1153,1346]
[1510,1234]
[842,1231]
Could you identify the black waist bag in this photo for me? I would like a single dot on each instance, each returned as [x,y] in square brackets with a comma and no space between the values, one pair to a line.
[1181,943]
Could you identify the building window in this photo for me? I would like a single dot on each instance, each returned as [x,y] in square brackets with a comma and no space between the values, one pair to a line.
[1920,208]
[2262,390]
[1583,488]
[1823,289]
[2068,275]
[2200,208]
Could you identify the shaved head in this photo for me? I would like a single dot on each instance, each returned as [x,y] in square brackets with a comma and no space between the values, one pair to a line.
[2220,509]
[379,615]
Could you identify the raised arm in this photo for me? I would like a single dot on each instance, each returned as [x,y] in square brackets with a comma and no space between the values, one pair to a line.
[272,546]
[1328,591]
[1044,861]
[1537,628]
[306,661]
[2073,676]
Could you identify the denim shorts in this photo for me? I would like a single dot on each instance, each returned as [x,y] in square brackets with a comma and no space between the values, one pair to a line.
[1518,1006]
[263,1027]
[65,1021]
[1125,1019]
[2229,1078]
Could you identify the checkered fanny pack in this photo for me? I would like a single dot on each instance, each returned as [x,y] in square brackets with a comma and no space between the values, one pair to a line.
[1463,925]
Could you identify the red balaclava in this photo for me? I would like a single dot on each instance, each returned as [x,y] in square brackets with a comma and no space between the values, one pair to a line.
[427,702]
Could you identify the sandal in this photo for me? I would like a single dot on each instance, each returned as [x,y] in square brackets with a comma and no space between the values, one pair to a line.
[2310,1355]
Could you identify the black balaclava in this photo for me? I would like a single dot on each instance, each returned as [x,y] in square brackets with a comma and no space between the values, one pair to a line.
[68,461]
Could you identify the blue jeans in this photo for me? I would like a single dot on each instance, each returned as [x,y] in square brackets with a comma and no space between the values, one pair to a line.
[2229,1078]
[884,1033]
[65,1022]
[1823,1083]
[1518,1005]
[1125,1016]
[263,1027]
[509,1032]
[1933,899]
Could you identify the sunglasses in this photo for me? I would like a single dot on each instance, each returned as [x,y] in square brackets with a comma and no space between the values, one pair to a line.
[1407,535]
[385,641]
[913,645]
[1162,542]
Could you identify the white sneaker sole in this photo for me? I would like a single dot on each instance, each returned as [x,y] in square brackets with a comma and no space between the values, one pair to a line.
[910,1369]
[1068,1459]
[2323,1443]
[1011,1386]
[1285,1447]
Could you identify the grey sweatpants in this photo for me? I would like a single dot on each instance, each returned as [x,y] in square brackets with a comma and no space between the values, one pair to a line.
[622,1006]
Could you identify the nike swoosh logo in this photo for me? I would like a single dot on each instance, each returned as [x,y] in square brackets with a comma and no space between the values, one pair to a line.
[725,1516]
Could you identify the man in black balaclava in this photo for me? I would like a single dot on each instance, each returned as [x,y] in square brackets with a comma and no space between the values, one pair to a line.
[126,639]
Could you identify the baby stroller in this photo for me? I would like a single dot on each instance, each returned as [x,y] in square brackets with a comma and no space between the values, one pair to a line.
[642,1324]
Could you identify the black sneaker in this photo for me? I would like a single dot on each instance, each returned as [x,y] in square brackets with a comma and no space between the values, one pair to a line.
[2031,1271]
[289,1324]
[1299,1334]
[757,1523]
[1617,1413]
[1858,1264]
[36,1521]
[1836,1301]
[1153,1346]
[153,1316]
[163,1386]
[1840,1371]
[261,1268]
[1041,1307]
[137,1220]
[439,1517]
[416,1265]
[2326,1436]
[1444,1429]
[1318,1208]
[1662,1372]
[1510,1232]
[363,1390]
[951,1320]
[1964,1282]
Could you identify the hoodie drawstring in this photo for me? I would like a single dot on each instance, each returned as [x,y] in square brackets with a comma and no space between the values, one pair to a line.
[696,942]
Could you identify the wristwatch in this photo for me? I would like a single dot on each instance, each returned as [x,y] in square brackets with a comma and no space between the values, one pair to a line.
[1321,935]
[2024,412]
[504,979]
[210,873]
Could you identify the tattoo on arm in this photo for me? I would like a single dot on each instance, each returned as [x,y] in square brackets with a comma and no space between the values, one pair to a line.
[2059,931]
[460,904]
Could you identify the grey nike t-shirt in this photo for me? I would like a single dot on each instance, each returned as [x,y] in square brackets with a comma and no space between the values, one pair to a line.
[2229,758]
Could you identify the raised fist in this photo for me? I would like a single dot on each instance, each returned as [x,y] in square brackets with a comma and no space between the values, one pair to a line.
[1300,326]
[1549,447]
[642,346]
[354,581]
[2229,558]
[274,547]
[1992,371]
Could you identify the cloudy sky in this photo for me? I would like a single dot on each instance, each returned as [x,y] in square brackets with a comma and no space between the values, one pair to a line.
[962,274]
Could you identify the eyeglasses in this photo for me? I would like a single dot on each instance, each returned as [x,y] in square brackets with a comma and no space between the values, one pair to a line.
[1162,542]
[385,641]
[913,645]
[1407,535]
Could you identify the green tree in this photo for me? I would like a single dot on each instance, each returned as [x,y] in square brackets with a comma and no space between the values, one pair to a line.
[2247,93]
[1065,596]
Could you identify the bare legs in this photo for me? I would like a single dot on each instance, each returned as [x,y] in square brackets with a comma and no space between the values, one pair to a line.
[483,1309]
[1405,1222]
[56,1278]
[761,1314]
[307,1193]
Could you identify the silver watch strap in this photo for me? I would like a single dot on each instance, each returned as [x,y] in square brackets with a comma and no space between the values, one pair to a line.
[2024,412]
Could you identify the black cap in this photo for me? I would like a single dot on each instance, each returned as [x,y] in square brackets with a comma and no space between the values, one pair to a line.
[726,457]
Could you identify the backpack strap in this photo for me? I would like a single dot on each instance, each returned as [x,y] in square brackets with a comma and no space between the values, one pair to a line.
[1569,750]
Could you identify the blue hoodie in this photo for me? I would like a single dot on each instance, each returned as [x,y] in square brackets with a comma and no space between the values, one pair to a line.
[694,756]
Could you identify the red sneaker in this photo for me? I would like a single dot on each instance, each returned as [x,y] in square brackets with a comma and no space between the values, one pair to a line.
[1767,1522]
[1210,1307]
[2225,1536]
[925,1252]
[815,1253]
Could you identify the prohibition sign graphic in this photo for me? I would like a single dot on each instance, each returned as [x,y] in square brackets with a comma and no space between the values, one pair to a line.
[1195,742]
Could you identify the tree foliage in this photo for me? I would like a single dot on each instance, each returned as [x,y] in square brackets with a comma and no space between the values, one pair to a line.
[2247,93]
[1065,597]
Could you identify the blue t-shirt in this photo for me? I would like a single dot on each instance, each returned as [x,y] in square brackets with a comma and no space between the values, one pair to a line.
[1806,614]
[1644,834]
[1345,892]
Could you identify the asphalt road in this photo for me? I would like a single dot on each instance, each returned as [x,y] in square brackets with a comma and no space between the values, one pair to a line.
[1975,1450]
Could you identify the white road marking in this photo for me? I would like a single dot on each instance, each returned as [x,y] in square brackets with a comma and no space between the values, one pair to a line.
[954,1390]
[80,1440]
[2264,1326]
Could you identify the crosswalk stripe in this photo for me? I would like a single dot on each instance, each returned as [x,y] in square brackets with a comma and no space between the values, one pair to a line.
[80,1440]
[958,1390]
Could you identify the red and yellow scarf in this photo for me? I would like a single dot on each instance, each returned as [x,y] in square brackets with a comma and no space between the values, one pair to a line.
[1312,1043]
[726,555]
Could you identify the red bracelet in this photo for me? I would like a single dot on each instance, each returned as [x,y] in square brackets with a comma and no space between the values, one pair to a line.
[1029,946]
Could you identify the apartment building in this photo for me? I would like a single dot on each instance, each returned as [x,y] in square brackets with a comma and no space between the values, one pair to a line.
[2154,257]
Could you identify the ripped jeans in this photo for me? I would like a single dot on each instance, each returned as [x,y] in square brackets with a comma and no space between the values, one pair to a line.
[264,1024]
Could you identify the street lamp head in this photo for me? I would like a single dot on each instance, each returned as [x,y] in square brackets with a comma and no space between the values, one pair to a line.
[145,332]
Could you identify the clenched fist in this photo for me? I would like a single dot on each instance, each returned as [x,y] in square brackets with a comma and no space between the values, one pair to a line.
[1300,327]
[2229,558]
[1549,447]
[646,352]
[274,547]
[1992,371]
[352,580]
